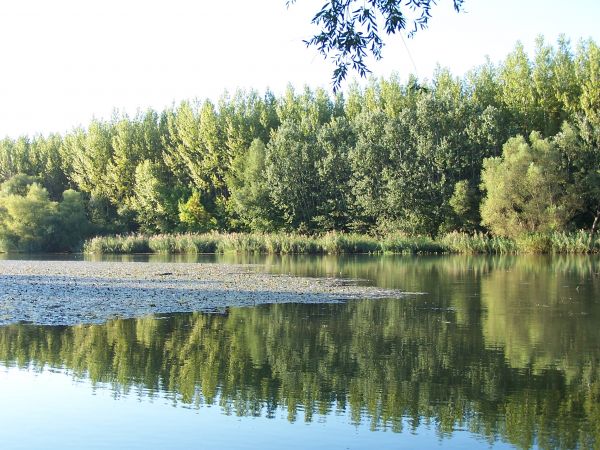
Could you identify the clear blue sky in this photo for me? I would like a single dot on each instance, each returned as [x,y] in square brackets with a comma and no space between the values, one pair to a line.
[66,61]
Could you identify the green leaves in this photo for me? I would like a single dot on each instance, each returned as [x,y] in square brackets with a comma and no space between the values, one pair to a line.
[350,30]
[30,221]
[250,199]
[526,190]
[193,215]
[390,156]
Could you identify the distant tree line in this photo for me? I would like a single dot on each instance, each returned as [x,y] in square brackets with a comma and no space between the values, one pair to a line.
[510,148]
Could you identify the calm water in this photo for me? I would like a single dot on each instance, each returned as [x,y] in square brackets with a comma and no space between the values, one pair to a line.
[499,352]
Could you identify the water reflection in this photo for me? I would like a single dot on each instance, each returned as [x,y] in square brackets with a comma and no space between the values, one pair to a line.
[507,348]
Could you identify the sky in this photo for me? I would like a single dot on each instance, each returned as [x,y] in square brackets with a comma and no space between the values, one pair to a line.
[64,62]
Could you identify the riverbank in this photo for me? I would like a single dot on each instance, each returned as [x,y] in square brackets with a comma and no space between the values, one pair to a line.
[341,243]
[77,292]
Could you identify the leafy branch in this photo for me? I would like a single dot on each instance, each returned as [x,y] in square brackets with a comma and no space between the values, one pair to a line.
[350,29]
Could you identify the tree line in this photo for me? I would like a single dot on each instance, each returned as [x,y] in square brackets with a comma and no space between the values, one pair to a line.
[509,148]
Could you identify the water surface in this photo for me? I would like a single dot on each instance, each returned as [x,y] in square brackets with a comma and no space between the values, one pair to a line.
[495,352]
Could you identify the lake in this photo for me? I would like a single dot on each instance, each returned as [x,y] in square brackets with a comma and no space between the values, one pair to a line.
[487,352]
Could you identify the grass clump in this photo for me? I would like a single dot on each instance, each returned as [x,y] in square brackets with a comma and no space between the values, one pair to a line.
[119,244]
[338,243]
[241,243]
[175,244]
[407,245]
[292,244]
[478,243]
[576,242]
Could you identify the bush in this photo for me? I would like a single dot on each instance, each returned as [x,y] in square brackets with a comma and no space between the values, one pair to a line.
[33,223]
[534,243]
[527,192]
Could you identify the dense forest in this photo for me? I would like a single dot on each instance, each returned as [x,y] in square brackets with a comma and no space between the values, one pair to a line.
[510,148]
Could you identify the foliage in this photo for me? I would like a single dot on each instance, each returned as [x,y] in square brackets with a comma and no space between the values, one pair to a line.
[74,225]
[526,190]
[193,215]
[30,221]
[154,201]
[249,189]
[349,29]
[464,202]
[18,185]
[391,157]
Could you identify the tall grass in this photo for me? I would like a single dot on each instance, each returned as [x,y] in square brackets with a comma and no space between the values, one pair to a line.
[577,242]
[169,244]
[478,243]
[119,244]
[403,244]
[340,243]
[337,243]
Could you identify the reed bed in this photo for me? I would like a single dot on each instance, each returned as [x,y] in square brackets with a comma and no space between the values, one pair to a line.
[411,245]
[478,243]
[248,243]
[341,243]
[118,244]
[576,242]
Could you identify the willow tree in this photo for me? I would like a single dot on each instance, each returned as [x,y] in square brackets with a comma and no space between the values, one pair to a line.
[349,30]
[526,190]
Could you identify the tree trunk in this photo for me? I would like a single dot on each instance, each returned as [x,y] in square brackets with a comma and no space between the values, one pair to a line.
[594,225]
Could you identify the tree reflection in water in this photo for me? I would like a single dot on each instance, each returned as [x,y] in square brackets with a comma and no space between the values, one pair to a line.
[507,348]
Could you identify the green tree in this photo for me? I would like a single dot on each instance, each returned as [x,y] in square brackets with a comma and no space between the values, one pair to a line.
[335,139]
[292,175]
[465,204]
[245,117]
[73,224]
[183,152]
[249,190]
[518,91]
[155,200]
[28,223]
[51,166]
[548,102]
[526,190]
[193,215]
[90,153]
[369,157]
[18,185]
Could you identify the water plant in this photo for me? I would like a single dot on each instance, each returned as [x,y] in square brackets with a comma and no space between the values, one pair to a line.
[334,243]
